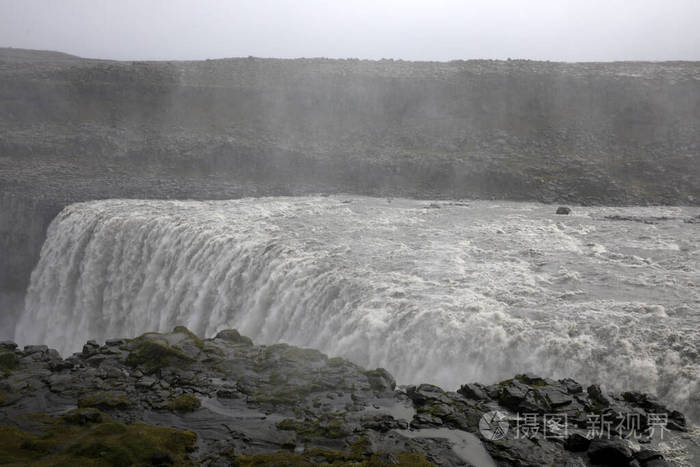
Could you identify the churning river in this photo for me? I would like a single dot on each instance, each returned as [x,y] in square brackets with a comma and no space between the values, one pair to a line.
[439,292]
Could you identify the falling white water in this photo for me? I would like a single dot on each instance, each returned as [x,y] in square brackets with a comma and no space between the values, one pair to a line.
[462,293]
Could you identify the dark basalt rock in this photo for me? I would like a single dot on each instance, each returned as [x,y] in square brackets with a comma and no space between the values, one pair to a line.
[8,345]
[612,452]
[646,456]
[676,421]
[425,393]
[232,335]
[563,210]
[571,386]
[381,380]
[281,405]
[474,391]
[577,443]
[161,458]
[33,349]
[596,395]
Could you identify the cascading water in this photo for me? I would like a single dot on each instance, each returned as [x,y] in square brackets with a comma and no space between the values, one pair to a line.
[462,293]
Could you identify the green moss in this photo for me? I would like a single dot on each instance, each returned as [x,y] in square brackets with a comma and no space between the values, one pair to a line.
[108,453]
[412,459]
[287,395]
[303,355]
[183,330]
[380,379]
[274,459]
[289,445]
[315,457]
[233,336]
[289,352]
[83,416]
[534,382]
[104,401]
[104,444]
[8,361]
[184,403]
[359,447]
[329,427]
[109,428]
[11,441]
[215,351]
[336,362]
[155,355]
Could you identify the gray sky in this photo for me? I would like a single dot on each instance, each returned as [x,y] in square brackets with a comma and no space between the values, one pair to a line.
[573,30]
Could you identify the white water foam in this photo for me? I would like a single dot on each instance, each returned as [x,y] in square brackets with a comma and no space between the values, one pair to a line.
[463,293]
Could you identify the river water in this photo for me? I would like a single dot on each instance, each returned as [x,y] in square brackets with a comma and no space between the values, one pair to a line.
[440,292]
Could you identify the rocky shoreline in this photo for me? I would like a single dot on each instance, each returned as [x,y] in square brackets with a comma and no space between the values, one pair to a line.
[177,399]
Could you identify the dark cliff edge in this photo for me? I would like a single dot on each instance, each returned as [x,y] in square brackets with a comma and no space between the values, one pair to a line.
[176,399]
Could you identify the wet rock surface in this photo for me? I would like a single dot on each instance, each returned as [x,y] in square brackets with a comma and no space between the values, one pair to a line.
[227,401]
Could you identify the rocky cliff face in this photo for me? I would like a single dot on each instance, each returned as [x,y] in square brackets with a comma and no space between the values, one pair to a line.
[175,399]
[73,129]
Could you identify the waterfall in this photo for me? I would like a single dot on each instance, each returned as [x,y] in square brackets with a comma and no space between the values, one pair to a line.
[449,295]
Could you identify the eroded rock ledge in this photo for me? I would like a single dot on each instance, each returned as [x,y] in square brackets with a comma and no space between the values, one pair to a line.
[176,399]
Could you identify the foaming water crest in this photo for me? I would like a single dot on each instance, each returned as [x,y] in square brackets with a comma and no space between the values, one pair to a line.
[447,295]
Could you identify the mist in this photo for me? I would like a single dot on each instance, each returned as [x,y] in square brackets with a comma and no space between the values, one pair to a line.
[594,30]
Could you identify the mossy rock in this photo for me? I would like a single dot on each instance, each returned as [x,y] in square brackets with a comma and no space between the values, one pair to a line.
[104,401]
[287,395]
[83,416]
[304,355]
[102,444]
[315,457]
[380,380]
[282,458]
[233,336]
[296,354]
[337,362]
[412,459]
[329,427]
[153,356]
[8,361]
[532,381]
[184,403]
[192,336]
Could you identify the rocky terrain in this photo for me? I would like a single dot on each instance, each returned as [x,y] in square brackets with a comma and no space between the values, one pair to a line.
[176,399]
[74,129]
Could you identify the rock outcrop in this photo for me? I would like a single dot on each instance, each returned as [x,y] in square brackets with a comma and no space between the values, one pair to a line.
[176,399]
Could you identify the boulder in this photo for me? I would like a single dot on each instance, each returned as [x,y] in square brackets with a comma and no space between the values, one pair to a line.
[380,380]
[425,393]
[609,452]
[645,456]
[32,349]
[233,336]
[577,443]
[8,345]
[596,395]
[563,210]
[473,391]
